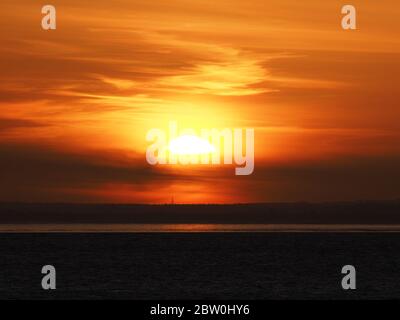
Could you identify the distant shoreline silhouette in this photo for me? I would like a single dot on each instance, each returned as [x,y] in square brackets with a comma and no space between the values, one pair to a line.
[362,212]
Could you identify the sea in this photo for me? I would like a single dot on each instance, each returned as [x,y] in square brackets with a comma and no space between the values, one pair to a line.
[199,262]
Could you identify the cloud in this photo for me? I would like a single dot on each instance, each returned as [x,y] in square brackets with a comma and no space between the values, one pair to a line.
[38,172]
[43,174]
[7,124]
[236,78]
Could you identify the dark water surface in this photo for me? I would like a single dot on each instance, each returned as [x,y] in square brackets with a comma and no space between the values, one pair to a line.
[200,265]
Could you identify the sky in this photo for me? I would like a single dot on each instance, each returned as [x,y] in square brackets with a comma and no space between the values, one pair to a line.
[76,102]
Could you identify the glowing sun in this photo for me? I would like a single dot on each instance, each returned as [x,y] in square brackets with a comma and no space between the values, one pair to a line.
[190,145]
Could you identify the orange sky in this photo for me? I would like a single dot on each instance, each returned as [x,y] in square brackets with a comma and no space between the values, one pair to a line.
[76,102]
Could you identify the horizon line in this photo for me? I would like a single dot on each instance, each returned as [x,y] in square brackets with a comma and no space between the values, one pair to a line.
[199,204]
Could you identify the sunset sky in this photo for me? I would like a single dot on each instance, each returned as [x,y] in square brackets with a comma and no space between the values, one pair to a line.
[76,102]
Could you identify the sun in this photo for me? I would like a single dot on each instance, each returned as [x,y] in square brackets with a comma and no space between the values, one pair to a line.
[190,145]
